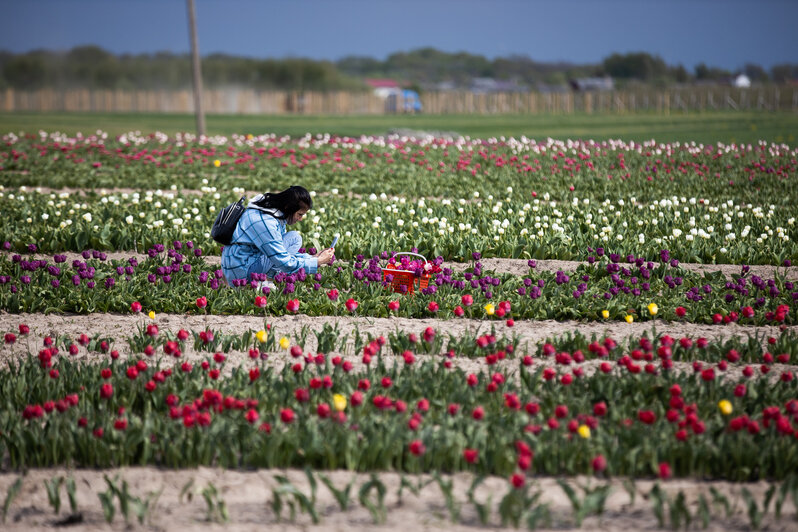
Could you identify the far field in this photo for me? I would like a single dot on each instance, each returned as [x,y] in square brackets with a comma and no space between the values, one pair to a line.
[709,127]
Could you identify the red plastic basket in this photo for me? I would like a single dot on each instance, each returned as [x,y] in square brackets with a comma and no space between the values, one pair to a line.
[405,278]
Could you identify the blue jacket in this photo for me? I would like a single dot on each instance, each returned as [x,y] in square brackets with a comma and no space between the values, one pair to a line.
[260,233]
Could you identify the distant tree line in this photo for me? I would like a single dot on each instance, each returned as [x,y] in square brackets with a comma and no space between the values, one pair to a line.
[95,68]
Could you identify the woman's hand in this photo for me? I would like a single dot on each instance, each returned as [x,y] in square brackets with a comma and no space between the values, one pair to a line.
[326,256]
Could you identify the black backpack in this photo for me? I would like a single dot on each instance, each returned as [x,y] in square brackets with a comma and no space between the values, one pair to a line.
[226,222]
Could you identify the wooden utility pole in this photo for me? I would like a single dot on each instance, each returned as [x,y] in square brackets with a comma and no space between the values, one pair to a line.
[195,58]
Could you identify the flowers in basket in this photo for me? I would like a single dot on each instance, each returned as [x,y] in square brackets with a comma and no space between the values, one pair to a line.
[418,267]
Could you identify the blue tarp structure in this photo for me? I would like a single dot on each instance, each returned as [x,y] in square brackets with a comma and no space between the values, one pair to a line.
[411,102]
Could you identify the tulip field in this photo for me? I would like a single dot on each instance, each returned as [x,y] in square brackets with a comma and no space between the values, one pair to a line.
[515,333]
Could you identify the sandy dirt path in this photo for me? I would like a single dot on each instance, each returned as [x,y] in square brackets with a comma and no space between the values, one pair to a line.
[248,496]
[498,265]
[529,333]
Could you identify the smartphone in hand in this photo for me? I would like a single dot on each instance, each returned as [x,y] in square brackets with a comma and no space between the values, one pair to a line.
[335,241]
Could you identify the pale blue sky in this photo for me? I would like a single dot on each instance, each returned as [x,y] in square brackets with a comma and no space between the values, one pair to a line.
[723,33]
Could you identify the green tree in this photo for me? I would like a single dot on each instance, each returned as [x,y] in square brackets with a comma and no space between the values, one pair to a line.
[641,66]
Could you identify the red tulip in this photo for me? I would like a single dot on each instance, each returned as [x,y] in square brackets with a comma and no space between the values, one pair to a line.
[292,306]
[356,399]
[287,415]
[417,448]
[135,306]
[599,463]
[252,416]
[647,416]
[471,455]
[202,302]
[351,305]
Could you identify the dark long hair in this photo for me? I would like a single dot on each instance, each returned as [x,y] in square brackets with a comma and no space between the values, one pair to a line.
[288,201]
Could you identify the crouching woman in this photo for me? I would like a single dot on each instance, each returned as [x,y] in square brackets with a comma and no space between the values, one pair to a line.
[261,244]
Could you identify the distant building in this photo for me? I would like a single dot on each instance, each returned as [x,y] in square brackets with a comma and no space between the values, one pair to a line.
[545,88]
[592,84]
[484,85]
[383,87]
[396,98]
[742,81]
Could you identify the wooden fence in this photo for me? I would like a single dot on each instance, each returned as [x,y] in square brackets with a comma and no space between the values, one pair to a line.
[239,101]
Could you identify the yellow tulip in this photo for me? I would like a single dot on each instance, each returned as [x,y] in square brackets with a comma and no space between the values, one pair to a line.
[605,314]
[217,163]
[261,335]
[490,309]
[584,431]
[339,402]
[249,136]
[725,407]
[653,309]
[629,318]
[285,343]
[151,314]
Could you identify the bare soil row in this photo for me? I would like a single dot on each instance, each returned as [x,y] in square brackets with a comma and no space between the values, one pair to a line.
[498,265]
[529,333]
[248,495]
